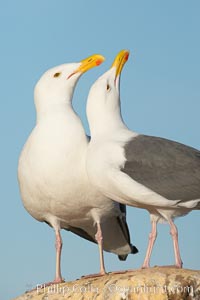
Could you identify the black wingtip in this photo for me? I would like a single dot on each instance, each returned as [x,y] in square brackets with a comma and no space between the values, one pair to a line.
[134,250]
[122,257]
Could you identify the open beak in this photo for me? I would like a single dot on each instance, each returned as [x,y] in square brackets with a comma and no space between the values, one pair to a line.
[119,62]
[88,63]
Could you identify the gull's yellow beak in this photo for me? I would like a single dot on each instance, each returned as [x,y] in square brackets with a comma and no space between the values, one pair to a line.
[89,63]
[120,61]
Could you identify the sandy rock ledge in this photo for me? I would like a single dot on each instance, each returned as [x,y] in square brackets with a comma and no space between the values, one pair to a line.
[156,283]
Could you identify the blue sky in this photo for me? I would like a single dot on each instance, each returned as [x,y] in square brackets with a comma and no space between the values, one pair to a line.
[160,93]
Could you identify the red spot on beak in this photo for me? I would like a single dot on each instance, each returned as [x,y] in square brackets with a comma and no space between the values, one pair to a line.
[126,57]
[98,62]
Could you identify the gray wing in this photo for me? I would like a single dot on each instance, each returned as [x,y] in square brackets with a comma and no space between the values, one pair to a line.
[116,237]
[78,231]
[82,233]
[124,227]
[168,168]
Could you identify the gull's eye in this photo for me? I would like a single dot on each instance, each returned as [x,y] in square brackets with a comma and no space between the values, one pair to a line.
[108,87]
[57,74]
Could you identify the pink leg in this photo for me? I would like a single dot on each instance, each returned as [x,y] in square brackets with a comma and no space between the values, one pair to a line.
[58,277]
[174,234]
[152,238]
[99,239]
[58,245]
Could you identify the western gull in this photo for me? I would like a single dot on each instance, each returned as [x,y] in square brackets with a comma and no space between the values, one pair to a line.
[148,172]
[52,174]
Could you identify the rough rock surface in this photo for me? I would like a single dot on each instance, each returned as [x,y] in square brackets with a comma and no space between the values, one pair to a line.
[158,283]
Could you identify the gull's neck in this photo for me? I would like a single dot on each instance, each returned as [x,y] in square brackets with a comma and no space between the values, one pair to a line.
[105,124]
[55,110]
[49,104]
[63,121]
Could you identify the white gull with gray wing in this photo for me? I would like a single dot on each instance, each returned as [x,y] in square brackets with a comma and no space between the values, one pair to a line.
[148,172]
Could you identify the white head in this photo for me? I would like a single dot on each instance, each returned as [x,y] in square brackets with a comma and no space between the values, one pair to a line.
[55,88]
[103,103]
